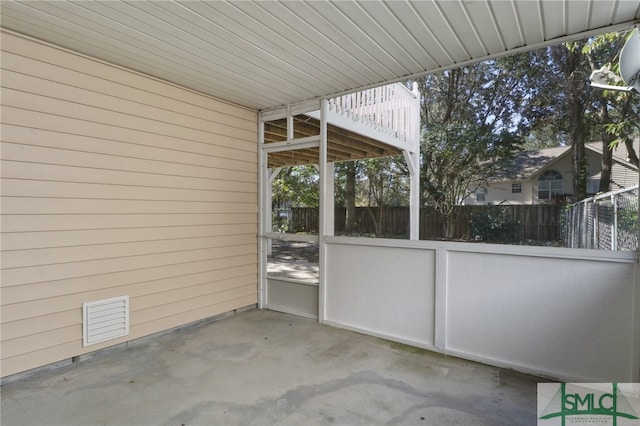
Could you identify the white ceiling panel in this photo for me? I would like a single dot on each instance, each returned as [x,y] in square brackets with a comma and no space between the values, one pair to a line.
[553,20]
[263,54]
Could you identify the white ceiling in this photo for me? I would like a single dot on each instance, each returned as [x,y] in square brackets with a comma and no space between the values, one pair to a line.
[263,54]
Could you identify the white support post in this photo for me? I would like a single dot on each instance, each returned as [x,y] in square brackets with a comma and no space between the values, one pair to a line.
[324,212]
[413,163]
[290,132]
[330,200]
[262,218]
[268,219]
[440,331]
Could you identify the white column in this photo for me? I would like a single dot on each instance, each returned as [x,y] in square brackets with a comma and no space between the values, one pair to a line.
[330,200]
[262,226]
[324,211]
[330,197]
[413,163]
[268,204]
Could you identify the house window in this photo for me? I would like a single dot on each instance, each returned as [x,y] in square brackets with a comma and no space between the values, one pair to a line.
[516,188]
[480,194]
[549,184]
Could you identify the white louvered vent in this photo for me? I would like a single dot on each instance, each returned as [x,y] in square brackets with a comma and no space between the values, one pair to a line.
[105,320]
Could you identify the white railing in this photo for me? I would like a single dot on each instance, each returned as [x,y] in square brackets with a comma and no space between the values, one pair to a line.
[392,109]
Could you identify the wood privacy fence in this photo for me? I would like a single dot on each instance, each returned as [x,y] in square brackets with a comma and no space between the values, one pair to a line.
[514,223]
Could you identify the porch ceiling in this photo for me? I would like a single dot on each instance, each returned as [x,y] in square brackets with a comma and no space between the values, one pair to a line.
[263,54]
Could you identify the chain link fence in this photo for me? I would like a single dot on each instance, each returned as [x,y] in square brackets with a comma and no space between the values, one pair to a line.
[605,222]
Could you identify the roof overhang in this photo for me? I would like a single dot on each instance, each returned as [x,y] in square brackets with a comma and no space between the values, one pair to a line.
[263,54]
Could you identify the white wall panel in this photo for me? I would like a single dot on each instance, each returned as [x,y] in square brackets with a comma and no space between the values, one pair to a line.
[568,314]
[385,291]
[561,317]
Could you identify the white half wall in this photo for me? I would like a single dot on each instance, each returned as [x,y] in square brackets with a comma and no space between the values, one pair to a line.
[382,291]
[561,313]
[570,318]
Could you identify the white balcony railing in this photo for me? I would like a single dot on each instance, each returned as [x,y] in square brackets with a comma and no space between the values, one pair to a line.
[392,109]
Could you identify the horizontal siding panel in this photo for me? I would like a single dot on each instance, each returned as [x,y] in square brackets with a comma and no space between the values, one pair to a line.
[168,309]
[111,73]
[78,174]
[30,275]
[38,188]
[204,155]
[37,122]
[45,239]
[46,356]
[64,351]
[49,323]
[114,184]
[42,70]
[61,336]
[155,112]
[34,257]
[89,205]
[33,222]
[66,295]
[191,315]
[26,344]
[204,290]
[40,324]
[623,177]
[36,154]
[32,102]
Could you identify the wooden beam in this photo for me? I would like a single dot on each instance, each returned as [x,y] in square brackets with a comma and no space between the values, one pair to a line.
[342,145]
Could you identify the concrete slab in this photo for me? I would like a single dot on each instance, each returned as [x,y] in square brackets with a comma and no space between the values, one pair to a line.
[265,368]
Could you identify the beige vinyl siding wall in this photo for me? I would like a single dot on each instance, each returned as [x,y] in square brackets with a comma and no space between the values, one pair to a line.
[115,183]
[623,176]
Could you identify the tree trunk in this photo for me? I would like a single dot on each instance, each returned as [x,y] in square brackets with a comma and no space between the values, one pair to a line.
[633,156]
[350,197]
[576,109]
[576,136]
[607,154]
[570,62]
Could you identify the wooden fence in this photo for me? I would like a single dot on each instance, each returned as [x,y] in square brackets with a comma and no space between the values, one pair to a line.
[509,224]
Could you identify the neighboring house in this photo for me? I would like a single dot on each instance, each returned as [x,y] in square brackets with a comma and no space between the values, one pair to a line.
[545,175]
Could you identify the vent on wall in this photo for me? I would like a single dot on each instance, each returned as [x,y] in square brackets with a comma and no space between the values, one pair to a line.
[105,320]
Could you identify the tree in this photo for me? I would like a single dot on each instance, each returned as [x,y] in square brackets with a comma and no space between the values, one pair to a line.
[473,120]
[346,191]
[386,183]
[582,113]
[570,60]
[618,111]
[374,183]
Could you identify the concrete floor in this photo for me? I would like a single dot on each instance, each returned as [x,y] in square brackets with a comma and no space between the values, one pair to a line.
[265,368]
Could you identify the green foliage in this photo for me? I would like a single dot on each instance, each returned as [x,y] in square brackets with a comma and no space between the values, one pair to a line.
[281,222]
[473,121]
[622,108]
[386,181]
[296,186]
[628,221]
[380,181]
[491,224]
